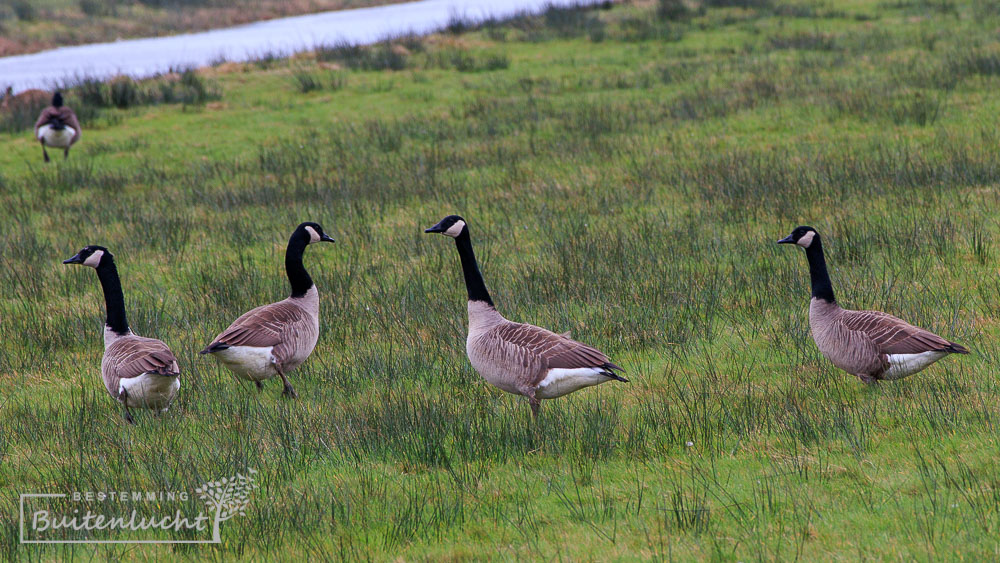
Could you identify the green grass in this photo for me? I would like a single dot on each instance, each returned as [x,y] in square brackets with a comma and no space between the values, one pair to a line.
[625,177]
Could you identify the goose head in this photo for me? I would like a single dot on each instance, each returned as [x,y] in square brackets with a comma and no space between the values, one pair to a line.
[91,255]
[451,226]
[802,236]
[312,232]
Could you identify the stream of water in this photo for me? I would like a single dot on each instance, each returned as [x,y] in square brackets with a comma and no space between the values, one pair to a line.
[141,58]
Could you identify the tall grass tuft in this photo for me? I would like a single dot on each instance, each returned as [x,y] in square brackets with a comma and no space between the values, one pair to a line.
[306,81]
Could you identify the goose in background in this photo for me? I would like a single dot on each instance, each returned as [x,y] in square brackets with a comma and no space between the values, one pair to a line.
[520,358]
[57,127]
[139,372]
[868,344]
[275,339]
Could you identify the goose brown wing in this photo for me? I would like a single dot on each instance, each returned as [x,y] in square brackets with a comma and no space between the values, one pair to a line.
[72,121]
[551,349]
[271,325]
[133,356]
[263,326]
[46,116]
[892,335]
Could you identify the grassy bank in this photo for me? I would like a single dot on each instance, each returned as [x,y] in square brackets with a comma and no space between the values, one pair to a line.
[625,174]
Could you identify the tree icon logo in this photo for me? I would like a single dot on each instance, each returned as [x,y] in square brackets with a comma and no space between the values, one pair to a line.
[227,497]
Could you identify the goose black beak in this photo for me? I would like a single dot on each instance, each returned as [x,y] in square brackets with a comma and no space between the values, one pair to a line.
[787,240]
[74,260]
[436,229]
[326,238]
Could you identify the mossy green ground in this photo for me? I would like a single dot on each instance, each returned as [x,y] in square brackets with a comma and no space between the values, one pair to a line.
[625,177]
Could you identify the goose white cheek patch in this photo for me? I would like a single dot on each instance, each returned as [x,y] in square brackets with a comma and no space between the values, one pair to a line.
[806,239]
[456,229]
[313,235]
[94,259]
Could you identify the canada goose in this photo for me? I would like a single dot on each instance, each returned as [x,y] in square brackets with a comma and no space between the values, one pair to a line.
[869,344]
[520,358]
[57,126]
[137,371]
[275,339]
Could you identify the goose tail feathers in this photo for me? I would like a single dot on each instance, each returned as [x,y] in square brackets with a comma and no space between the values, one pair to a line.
[214,347]
[956,348]
[609,370]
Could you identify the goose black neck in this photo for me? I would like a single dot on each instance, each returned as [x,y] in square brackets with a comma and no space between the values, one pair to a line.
[114,300]
[474,283]
[297,274]
[821,286]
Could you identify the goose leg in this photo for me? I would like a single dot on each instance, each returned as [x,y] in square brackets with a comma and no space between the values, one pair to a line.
[868,379]
[128,413]
[534,401]
[288,391]
[66,153]
[45,153]
[260,386]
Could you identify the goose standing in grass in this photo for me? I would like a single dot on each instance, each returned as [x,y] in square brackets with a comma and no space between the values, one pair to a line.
[520,358]
[57,127]
[137,371]
[275,339]
[869,344]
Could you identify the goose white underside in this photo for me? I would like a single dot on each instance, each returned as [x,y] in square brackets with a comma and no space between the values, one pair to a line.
[559,382]
[254,363]
[60,138]
[150,391]
[902,365]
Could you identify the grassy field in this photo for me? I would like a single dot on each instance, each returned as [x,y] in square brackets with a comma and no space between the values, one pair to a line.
[27,26]
[625,174]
